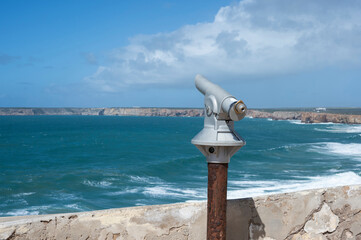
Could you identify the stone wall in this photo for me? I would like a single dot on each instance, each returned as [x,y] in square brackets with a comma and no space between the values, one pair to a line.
[315,214]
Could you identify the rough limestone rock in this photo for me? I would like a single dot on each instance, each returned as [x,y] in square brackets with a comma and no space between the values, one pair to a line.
[6,233]
[309,236]
[307,117]
[323,221]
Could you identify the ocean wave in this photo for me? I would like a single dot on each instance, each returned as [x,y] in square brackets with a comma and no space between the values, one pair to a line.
[59,195]
[345,149]
[161,191]
[126,191]
[150,180]
[296,122]
[280,147]
[272,187]
[23,194]
[99,184]
[74,206]
[34,210]
[251,183]
[139,204]
[341,128]
[300,122]
[20,212]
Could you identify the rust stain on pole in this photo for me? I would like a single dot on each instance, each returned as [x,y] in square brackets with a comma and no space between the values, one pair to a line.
[217,201]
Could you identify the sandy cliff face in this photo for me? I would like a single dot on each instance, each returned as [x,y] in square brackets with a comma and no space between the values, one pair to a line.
[166,112]
[307,117]
[16,111]
[279,115]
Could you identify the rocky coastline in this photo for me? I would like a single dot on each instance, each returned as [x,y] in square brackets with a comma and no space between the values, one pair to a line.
[307,117]
[303,116]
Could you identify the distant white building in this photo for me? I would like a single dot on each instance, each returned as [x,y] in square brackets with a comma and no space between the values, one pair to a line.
[320,109]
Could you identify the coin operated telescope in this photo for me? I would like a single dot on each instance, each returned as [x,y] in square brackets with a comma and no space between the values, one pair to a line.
[218,142]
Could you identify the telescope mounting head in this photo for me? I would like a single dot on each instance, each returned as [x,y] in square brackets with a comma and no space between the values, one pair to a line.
[218,140]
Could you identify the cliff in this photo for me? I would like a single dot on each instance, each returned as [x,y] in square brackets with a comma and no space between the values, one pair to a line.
[306,117]
[115,111]
[332,214]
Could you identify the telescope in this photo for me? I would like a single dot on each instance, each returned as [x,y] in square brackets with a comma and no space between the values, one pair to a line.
[219,101]
[218,142]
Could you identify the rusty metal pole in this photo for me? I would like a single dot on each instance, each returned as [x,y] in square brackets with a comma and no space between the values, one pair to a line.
[217,201]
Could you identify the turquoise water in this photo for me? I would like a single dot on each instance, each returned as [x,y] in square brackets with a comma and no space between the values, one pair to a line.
[53,164]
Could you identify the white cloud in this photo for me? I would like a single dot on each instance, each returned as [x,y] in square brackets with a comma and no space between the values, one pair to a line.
[252,38]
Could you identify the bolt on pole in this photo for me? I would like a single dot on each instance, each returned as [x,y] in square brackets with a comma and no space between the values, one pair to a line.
[218,142]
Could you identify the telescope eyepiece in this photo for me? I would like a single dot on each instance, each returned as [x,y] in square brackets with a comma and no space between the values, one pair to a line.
[240,107]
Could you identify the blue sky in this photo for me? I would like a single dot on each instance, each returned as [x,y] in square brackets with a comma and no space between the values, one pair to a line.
[270,53]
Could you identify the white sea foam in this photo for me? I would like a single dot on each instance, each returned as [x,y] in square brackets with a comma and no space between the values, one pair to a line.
[269,119]
[74,206]
[299,122]
[345,149]
[270,187]
[139,204]
[295,121]
[280,147]
[100,184]
[20,212]
[150,180]
[23,194]
[342,128]
[126,191]
[251,183]
[34,210]
[161,191]
[58,195]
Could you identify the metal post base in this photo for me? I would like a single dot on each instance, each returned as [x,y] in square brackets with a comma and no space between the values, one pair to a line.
[217,201]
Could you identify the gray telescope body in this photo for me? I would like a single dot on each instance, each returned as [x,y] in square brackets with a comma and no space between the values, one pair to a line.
[218,141]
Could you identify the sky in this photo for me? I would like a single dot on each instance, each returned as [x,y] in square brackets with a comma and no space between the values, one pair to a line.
[269,53]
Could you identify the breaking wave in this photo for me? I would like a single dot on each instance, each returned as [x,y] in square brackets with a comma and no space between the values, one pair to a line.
[344,149]
[259,188]
[341,128]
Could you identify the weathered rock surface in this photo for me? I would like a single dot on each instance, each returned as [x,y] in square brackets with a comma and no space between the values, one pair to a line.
[308,236]
[307,117]
[331,214]
[166,112]
[323,221]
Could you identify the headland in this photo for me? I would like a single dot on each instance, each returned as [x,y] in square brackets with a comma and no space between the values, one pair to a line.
[305,115]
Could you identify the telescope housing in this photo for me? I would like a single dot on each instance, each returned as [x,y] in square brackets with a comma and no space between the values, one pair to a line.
[218,140]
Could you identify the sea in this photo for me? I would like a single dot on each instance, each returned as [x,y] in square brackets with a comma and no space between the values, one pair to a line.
[59,164]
